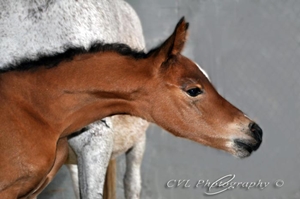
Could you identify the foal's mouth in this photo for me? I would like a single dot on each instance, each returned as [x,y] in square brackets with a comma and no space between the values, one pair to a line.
[244,147]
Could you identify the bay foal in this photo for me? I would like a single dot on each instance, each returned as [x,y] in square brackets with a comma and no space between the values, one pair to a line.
[40,106]
[31,28]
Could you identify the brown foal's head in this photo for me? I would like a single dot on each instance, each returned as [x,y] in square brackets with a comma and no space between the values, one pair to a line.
[187,104]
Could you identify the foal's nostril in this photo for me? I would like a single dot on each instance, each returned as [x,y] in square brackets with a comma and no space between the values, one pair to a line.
[257,131]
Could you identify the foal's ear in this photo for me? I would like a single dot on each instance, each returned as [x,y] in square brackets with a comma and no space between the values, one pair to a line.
[175,43]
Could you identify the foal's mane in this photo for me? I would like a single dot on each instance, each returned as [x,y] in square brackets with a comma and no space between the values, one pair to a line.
[53,60]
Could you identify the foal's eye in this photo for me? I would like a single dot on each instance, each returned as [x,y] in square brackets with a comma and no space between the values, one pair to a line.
[194,92]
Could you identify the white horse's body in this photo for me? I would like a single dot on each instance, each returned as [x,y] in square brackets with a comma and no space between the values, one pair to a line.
[30,28]
[33,27]
[98,145]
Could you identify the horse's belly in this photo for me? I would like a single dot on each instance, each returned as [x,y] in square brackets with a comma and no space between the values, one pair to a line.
[128,130]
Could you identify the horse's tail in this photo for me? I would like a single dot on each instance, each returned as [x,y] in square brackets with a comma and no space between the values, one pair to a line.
[109,191]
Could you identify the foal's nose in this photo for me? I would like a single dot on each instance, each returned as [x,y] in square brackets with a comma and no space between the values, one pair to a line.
[256,130]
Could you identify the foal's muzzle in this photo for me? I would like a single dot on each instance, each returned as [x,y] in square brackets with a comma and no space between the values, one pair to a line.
[244,147]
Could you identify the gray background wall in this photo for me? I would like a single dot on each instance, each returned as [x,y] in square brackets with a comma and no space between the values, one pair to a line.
[251,50]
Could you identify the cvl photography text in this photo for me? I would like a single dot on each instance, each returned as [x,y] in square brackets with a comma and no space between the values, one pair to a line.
[222,184]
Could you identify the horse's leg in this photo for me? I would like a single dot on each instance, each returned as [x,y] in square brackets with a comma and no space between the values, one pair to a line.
[61,155]
[132,179]
[93,149]
[71,164]
[73,168]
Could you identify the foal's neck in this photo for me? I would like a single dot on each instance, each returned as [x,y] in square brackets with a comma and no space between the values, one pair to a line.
[78,92]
